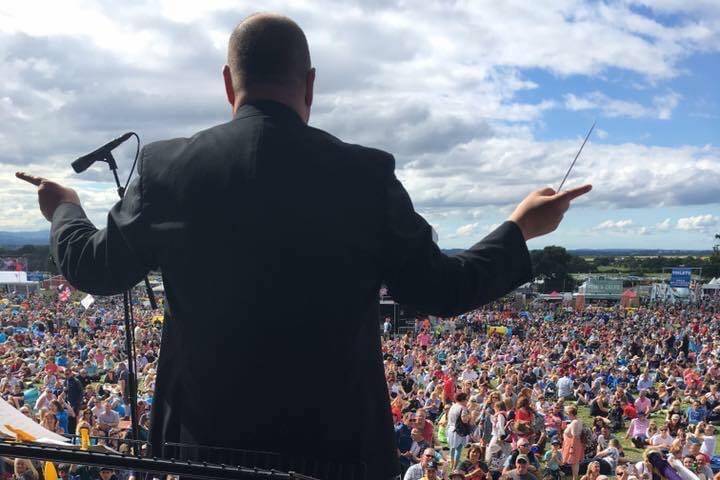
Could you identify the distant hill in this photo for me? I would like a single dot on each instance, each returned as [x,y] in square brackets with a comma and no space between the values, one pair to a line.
[622,252]
[637,252]
[18,239]
[42,237]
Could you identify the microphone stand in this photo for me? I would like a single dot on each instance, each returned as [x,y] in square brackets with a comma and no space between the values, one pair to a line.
[130,323]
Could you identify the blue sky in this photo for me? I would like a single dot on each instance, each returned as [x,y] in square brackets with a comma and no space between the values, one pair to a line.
[481,102]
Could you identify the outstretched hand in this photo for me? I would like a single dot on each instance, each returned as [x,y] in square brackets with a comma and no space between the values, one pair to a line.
[50,194]
[542,211]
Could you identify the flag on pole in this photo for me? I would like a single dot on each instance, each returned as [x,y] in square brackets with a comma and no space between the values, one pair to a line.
[87,301]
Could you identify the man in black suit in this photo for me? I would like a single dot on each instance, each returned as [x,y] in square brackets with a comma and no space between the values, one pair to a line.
[279,211]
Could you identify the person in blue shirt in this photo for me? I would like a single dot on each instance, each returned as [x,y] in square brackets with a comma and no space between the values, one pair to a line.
[61,360]
[696,413]
[61,414]
[403,440]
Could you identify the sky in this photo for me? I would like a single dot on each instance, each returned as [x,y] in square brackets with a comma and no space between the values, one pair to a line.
[480,102]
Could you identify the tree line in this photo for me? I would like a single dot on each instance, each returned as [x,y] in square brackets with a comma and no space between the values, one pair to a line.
[555,265]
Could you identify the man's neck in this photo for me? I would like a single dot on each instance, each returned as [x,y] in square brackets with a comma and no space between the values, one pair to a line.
[272,94]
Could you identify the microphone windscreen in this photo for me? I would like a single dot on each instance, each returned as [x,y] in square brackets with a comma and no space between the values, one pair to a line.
[82,163]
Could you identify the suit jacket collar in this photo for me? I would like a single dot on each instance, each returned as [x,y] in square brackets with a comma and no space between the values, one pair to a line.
[270,108]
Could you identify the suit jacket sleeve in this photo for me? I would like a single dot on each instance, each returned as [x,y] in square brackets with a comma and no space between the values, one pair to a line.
[419,274]
[107,261]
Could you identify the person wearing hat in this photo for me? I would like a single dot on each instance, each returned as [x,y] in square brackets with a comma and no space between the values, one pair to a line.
[521,470]
[415,472]
[432,471]
[106,473]
[553,459]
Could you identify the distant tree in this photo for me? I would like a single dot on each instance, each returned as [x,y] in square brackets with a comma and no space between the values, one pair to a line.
[712,267]
[603,261]
[579,265]
[552,264]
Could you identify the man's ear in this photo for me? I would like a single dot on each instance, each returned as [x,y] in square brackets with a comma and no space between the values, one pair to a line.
[229,90]
[309,87]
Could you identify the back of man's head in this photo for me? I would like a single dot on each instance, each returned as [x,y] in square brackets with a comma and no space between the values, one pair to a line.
[268,50]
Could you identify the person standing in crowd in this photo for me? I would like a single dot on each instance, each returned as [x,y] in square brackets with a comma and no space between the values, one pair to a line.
[74,397]
[458,428]
[498,447]
[573,450]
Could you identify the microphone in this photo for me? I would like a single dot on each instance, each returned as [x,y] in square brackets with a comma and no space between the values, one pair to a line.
[84,162]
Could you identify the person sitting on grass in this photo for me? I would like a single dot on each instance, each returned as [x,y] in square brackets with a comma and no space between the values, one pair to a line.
[521,470]
[611,455]
[432,471]
[638,430]
[415,472]
[696,413]
[474,468]
[523,449]
[593,471]
[662,439]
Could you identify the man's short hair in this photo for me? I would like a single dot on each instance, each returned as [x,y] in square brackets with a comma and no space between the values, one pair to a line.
[268,49]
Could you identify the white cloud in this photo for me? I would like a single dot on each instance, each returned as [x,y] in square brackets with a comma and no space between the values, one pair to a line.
[707,223]
[662,107]
[439,84]
[622,227]
[664,226]
[614,225]
[466,230]
[665,104]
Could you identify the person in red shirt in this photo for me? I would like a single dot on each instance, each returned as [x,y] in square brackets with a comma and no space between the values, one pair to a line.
[448,388]
[523,411]
[629,411]
[50,366]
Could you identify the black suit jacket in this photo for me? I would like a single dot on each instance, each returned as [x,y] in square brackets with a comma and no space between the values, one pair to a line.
[273,238]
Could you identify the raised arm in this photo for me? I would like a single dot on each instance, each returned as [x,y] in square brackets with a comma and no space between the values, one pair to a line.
[101,262]
[418,273]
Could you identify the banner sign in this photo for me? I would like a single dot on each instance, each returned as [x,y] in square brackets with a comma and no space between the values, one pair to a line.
[680,277]
[35,276]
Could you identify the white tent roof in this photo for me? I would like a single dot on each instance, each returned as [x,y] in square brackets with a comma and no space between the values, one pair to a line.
[9,415]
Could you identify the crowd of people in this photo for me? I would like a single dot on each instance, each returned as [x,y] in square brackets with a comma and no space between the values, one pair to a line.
[548,391]
[65,367]
[499,393]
